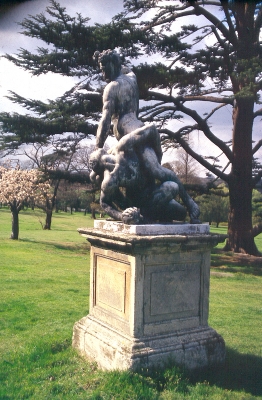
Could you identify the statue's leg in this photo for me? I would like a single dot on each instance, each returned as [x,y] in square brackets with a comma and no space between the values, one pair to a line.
[163,206]
[174,211]
[157,171]
[155,168]
[145,136]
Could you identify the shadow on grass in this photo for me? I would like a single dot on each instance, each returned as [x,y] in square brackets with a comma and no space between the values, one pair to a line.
[235,262]
[240,372]
[78,247]
[82,247]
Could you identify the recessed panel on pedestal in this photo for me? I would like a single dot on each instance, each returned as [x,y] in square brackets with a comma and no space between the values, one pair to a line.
[172,292]
[112,285]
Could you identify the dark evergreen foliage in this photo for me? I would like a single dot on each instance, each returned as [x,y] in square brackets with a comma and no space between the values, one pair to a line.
[225,72]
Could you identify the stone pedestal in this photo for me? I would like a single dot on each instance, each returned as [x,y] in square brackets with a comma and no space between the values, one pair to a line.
[149,293]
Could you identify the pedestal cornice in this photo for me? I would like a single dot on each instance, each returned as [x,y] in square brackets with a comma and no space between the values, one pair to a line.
[132,242]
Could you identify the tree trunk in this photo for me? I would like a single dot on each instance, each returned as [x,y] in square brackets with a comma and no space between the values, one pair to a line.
[50,204]
[15,223]
[240,235]
[48,219]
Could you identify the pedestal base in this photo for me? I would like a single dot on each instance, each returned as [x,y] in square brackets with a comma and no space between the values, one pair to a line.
[149,298]
[191,348]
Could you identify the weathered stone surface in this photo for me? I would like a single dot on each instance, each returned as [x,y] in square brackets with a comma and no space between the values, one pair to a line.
[149,302]
[152,229]
[111,349]
[151,244]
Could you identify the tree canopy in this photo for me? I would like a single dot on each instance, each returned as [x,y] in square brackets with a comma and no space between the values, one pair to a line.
[223,71]
[192,60]
[19,186]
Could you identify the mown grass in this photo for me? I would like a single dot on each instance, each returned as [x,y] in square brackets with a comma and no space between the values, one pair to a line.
[223,230]
[44,290]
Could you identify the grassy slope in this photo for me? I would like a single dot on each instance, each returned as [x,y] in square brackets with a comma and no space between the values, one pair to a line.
[44,290]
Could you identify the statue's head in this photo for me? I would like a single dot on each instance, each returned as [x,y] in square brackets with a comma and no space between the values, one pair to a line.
[97,166]
[110,64]
[95,159]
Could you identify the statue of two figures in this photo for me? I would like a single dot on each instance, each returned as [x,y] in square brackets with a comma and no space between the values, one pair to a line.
[135,188]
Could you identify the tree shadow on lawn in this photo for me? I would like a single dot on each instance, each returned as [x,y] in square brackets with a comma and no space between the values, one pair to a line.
[240,372]
[235,262]
[79,247]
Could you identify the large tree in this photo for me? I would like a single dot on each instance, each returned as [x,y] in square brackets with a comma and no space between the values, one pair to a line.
[223,72]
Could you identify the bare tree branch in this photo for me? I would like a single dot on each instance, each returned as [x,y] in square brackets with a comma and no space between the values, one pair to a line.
[218,91]
[196,156]
[203,126]
[258,113]
[214,110]
[202,123]
[229,21]
[156,111]
[257,146]
[172,18]
[221,41]
[214,20]
[185,130]
[213,99]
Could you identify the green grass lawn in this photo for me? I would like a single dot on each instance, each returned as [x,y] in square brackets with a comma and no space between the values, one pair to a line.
[223,230]
[44,290]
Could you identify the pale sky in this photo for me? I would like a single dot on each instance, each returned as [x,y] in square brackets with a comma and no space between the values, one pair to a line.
[50,86]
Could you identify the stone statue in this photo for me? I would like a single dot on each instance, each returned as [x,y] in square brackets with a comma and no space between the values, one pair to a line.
[134,186]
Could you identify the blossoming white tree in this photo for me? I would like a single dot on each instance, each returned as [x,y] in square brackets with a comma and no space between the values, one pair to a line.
[19,186]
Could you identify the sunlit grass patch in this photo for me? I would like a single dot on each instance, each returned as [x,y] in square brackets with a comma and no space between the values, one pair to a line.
[44,291]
